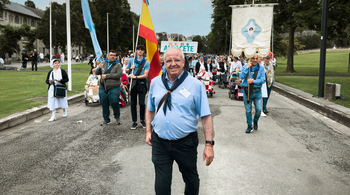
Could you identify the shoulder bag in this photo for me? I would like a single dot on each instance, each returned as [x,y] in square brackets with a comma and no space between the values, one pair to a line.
[59,89]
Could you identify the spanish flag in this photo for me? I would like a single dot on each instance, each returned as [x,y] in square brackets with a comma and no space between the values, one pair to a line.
[146,30]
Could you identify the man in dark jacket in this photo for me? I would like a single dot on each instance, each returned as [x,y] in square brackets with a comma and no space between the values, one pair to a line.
[25,58]
[34,57]
[200,65]
[109,89]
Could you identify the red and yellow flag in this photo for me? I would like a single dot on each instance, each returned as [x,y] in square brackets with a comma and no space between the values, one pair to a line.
[146,30]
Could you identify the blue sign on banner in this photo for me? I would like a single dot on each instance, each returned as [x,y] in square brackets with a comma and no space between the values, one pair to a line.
[186,47]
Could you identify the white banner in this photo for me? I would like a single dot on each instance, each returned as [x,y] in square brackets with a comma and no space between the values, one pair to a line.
[251,30]
[186,47]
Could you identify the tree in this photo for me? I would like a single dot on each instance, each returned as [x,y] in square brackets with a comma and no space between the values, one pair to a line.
[162,36]
[2,3]
[11,35]
[30,3]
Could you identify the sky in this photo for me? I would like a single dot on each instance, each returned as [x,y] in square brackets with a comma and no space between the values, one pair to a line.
[186,17]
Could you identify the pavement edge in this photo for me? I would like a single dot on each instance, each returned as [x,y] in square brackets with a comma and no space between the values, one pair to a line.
[27,115]
[325,109]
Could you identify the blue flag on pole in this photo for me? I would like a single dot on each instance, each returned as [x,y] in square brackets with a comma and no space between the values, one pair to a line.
[91,26]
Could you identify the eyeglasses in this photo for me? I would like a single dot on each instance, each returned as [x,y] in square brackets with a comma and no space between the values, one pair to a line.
[176,61]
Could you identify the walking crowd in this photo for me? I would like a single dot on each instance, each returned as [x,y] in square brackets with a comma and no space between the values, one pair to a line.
[175,100]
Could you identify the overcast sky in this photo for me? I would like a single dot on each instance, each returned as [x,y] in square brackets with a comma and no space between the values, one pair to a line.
[186,17]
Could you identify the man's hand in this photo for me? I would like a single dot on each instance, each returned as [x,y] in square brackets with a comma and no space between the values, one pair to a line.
[132,67]
[103,76]
[132,76]
[98,63]
[250,81]
[208,154]
[148,138]
[249,64]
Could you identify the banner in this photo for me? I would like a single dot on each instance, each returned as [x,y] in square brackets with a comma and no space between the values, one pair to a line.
[91,26]
[186,47]
[251,29]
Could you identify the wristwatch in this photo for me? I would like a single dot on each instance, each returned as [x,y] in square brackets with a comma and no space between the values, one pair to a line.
[209,142]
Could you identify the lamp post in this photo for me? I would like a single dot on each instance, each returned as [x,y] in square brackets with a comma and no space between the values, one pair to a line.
[323,49]
[107,34]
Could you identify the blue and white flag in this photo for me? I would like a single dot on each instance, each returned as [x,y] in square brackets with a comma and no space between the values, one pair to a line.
[251,29]
[91,26]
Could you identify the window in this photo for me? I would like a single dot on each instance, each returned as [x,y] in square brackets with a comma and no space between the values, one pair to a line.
[5,15]
[32,23]
[1,14]
[16,20]
[11,18]
[24,20]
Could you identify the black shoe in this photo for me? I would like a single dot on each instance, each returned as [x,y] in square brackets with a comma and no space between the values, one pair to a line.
[134,125]
[249,129]
[255,125]
[143,124]
[265,111]
[105,123]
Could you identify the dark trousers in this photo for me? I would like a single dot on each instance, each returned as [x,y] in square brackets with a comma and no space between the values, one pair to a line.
[111,98]
[184,152]
[35,63]
[142,94]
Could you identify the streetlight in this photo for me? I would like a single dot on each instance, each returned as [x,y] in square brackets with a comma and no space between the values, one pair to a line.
[107,35]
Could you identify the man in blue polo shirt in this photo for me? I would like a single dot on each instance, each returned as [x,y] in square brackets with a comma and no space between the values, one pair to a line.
[138,85]
[174,121]
[255,80]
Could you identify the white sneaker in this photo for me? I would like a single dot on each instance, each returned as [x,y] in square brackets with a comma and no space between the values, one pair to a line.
[65,113]
[262,114]
[52,119]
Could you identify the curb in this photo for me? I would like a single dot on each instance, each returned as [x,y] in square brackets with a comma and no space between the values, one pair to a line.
[322,106]
[22,117]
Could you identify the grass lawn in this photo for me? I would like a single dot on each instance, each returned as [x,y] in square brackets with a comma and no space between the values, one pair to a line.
[19,86]
[336,63]
[310,85]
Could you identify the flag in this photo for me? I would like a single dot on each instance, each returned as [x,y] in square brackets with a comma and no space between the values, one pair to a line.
[251,29]
[146,30]
[91,26]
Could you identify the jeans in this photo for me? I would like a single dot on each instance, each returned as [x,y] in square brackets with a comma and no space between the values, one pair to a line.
[142,96]
[268,96]
[111,98]
[24,64]
[184,152]
[255,97]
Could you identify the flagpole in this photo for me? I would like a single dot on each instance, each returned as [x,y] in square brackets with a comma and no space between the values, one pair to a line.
[50,32]
[69,45]
[135,56]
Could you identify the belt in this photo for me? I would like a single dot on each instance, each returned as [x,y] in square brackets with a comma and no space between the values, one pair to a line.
[254,88]
[176,139]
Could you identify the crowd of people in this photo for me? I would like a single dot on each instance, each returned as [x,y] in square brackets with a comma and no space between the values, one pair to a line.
[170,116]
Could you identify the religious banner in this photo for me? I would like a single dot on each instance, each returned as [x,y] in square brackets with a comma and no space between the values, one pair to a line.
[251,29]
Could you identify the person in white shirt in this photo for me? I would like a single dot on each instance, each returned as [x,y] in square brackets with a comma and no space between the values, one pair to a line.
[235,64]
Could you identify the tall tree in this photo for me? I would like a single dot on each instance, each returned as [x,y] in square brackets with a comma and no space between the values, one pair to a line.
[29,3]
[2,3]
[11,35]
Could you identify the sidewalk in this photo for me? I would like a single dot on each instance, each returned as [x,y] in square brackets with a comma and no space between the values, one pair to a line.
[329,109]
[18,65]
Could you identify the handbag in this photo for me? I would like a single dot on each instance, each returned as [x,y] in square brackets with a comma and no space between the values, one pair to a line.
[59,89]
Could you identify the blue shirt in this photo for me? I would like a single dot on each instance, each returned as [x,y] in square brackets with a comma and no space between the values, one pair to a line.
[182,119]
[145,67]
[260,78]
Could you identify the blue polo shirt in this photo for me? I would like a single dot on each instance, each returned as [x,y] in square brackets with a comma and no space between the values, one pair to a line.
[182,119]
[145,67]
[260,78]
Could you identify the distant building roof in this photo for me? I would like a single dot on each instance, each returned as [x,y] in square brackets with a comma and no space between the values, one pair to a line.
[21,9]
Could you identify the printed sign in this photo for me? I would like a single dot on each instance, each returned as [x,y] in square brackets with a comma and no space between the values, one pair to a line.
[186,47]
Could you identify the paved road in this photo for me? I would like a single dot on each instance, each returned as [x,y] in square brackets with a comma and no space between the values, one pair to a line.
[295,151]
